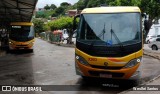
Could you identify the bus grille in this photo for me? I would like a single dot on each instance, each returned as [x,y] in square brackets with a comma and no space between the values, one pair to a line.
[22,45]
[106,67]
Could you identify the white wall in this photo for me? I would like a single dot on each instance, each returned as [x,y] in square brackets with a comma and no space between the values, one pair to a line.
[155,29]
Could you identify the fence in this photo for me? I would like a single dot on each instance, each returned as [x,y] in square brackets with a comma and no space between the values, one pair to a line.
[51,37]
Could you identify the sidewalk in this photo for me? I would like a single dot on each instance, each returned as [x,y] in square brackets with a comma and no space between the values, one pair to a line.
[152,53]
[155,81]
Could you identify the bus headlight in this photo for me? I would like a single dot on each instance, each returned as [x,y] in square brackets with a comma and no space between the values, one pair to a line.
[10,42]
[133,62]
[81,60]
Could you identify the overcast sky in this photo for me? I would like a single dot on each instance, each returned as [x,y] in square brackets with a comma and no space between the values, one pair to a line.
[42,3]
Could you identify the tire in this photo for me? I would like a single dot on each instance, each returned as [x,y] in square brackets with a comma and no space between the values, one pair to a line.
[31,50]
[148,42]
[154,47]
[85,78]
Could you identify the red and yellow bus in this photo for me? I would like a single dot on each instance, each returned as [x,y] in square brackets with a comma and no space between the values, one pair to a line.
[109,43]
[21,36]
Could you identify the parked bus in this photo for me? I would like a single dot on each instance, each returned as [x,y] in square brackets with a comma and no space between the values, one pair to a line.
[21,36]
[109,43]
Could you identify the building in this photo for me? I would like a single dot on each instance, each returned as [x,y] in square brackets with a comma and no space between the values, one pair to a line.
[72,13]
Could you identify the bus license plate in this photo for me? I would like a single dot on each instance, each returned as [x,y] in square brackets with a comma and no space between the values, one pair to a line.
[106,75]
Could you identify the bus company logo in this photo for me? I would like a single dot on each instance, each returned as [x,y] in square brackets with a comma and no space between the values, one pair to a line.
[92,59]
[105,64]
[6,88]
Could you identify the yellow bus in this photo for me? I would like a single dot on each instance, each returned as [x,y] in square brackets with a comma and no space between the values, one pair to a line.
[109,43]
[21,36]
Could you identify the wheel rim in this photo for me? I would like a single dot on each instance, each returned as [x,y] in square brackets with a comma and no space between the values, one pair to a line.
[154,48]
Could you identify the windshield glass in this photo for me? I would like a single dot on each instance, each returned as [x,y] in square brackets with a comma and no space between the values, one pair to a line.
[22,33]
[113,29]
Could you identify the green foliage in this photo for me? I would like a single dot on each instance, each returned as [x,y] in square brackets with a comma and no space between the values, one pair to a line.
[60,10]
[125,3]
[46,27]
[54,14]
[151,7]
[65,4]
[81,4]
[38,24]
[40,14]
[96,3]
[45,14]
[54,11]
[61,23]
[47,7]
[53,6]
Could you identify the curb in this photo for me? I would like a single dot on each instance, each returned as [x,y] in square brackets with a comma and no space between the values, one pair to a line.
[67,45]
[60,44]
[63,45]
[151,54]
[155,78]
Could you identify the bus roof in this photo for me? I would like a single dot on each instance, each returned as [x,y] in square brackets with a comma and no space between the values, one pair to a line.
[22,23]
[116,9]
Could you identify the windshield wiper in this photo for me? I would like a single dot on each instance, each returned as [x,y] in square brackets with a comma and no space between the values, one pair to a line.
[113,33]
[116,37]
[102,33]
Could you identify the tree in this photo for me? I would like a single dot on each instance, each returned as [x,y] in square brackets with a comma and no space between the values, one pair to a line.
[46,27]
[152,8]
[65,4]
[96,3]
[38,24]
[81,4]
[53,6]
[59,10]
[54,14]
[47,7]
[63,23]
[40,14]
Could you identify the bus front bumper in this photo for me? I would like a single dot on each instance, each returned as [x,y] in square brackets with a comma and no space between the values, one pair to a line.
[124,73]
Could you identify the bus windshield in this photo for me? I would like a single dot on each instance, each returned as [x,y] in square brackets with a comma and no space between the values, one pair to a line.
[22,33]
[110,29]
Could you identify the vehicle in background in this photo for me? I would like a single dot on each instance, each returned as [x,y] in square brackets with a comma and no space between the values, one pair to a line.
[155,45]
[152,38]
[105,47]
[21,36]
[64,34]
[153,34]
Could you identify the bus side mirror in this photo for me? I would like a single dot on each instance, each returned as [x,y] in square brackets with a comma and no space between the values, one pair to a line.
[74,22]
[75,33]
[144,15]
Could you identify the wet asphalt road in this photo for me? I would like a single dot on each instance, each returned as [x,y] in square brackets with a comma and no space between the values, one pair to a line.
[50,64]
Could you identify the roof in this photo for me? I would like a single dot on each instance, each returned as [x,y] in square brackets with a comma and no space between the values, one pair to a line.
[111,9]
[16,10]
